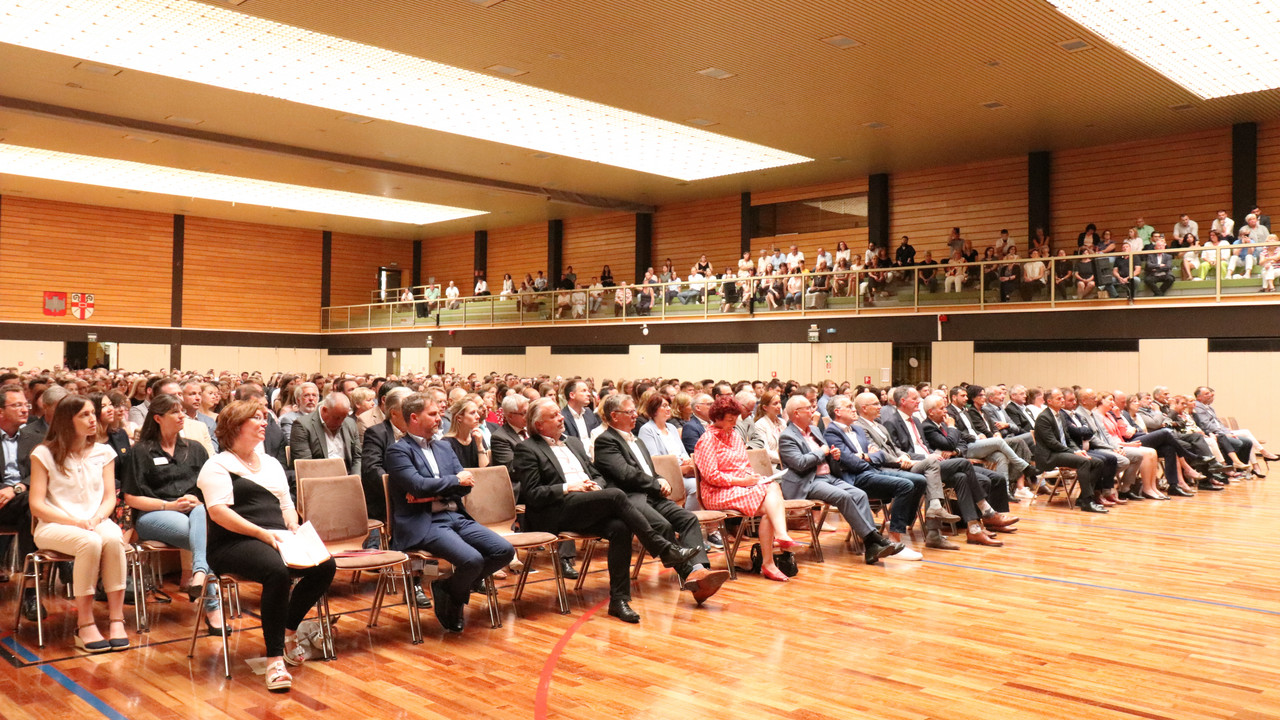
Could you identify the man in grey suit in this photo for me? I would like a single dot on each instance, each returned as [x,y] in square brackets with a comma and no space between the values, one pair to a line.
[1238,445]
[329,432]
[808,460]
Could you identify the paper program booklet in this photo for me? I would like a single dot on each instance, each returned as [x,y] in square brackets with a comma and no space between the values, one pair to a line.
[301,549]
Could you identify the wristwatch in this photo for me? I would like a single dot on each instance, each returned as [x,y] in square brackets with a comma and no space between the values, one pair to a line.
[19,488]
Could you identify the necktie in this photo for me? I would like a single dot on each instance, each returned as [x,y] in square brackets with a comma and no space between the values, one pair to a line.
[915,434]
[853,440]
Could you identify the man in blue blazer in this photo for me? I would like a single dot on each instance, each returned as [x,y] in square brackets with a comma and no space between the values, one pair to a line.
[812,475]
[426,484]
[579,418]
[698,421]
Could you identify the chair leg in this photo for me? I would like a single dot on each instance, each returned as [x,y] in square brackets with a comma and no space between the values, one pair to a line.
[737,541]
[635,572]
[588,552]
[524,574]
[39,603]
[562,595]
[379,591]
[22,586]
[411,602]
[728,561]
[815,533]
[491,597]
[326,629]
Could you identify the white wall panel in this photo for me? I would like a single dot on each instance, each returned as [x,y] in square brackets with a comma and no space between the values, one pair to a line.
[27,354]
[1177,363]
[1098,370]
[136,356]
[1243,392]
[952,362]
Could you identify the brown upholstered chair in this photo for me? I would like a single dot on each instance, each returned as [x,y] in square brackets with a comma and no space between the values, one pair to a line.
[327,468]
[796,509]
[492,504]
[668,468]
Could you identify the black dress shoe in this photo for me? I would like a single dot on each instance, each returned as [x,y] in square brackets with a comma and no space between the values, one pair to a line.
[450,617]
[1175,491]
[877,550]
[621,609]
[567,569]
[676,555]
[1133,494]
[1207,485]
[1091,506]
[420,597]
[31,611]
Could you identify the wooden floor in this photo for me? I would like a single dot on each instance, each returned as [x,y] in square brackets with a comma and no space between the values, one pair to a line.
[1158,610]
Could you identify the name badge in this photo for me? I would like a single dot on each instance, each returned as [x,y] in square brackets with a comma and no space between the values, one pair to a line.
[162,461]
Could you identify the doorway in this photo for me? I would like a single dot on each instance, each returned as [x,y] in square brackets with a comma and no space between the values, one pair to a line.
[389,279]
[83,355]
[912,363]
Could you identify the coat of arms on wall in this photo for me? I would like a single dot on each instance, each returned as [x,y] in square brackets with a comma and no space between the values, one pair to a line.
[55,303]
[82,305]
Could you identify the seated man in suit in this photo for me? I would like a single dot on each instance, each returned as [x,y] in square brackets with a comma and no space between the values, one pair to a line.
[992,497]
[579,419]
[426,483]
[810,475]
[1238,445]
[1055,447]
[981,445]
[697,424]
[377,414]
[14,511]
[329,432]
[1075,426]
[978,417]
[906,442]
[625,463]
[873,469]
[563,491]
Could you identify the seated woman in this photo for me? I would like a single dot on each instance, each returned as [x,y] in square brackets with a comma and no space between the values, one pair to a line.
[247,498]
[508,286]
[1064,274]
[820,284]
[1086,283]
[730,484]
[466,433]
[954,274]
[622,300]
[1009,275]
[731,297]
[681,409]
[1033,274]
[990,273]
[662,437]
[776,290]
[1270,264]
[840,281]
[73,494]
[767,425]
[795,288]
[160,487]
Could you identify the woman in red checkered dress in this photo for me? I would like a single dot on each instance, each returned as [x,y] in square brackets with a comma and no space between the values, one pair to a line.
[728,483]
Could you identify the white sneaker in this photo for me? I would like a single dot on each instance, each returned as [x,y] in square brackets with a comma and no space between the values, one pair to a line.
[906,554]
[1023,493]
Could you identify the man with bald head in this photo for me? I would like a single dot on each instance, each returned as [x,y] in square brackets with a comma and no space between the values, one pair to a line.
[329,432]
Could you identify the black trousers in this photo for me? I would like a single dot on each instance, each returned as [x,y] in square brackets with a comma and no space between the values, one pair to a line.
[609,514]
[283,606]
[1088,470]
[1166,445]
[958,474]
[1237,445]
[17,514]
[673,523]
[1110,465]
[995,486]
[1158,284]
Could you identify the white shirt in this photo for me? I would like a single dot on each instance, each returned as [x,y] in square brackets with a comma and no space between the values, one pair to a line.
[635,452]
[428,454]
[481,286]
[917,442]
[1224,226]
[964,417]
[853,438]
[580,422]
[79,490]
[793,258]
[215,479]
[333,445]
[452,292]
[569,463]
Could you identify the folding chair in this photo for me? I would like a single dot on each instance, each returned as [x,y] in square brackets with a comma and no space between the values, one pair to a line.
[668,468]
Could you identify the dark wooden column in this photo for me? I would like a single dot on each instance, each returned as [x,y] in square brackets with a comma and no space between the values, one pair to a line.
[1039,212]
[747,224]
[175,287]
[644,244]
[480,252]
[1244,171]
[417,263]
[555,249]
[326,263]
[878,209]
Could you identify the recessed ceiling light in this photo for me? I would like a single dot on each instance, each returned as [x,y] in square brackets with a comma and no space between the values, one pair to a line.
[1214,49]
[485,3]
[839,158]
[75,86]
[541,156]
[841,41]
[875,125]
[133,176]
[203,43]
[97,69]
[555,56]
[507,70]
[183,120]
[993,105]
[1074,45]
[339,170]
[355,119]
[1180,108]
[717,73]
[141,139]
[702,122]
[993,63]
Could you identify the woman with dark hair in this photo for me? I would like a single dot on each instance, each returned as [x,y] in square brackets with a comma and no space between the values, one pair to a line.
[729,483]
[160,486]
[73,493]
[1088,237]
[661,436]
[247,499]
[110,430]
[606,277]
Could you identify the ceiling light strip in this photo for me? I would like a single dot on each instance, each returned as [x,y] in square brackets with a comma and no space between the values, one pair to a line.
[1213,48]
[127,175]
[215,46]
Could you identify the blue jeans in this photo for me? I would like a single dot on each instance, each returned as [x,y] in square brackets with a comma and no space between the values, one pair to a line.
[179,530]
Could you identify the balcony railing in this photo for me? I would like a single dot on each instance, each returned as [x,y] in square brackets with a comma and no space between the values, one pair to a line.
[982,285]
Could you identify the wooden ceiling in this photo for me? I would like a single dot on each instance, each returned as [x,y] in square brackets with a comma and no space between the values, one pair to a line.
[923,70]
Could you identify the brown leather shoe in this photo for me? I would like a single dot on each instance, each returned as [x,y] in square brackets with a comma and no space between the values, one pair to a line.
[938,542]
[705,583]
[982,539]
[1000,520]
[991,531]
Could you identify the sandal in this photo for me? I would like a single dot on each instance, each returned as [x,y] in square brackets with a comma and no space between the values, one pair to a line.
[296,651]
[278,678]
[774,575]
[118,644]
[93,646]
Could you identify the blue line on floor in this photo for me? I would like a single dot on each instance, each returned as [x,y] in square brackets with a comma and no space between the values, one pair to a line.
[1077,583]
[1233,541]
[59,677]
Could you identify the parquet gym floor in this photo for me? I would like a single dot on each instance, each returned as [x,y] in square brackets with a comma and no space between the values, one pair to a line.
[1158,610]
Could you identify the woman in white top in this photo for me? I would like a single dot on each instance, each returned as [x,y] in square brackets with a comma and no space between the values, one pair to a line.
[768,425]
[247,499]
[662,437]
[73,494]
[482,287]
[508,286]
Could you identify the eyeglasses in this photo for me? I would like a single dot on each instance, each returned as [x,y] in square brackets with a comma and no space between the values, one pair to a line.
[20,406]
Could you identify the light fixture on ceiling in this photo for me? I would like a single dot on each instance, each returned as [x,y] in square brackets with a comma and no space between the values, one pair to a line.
[507,70]
[994,105]
[875,125]
[183,120]
[127,175]
[203,43]
[355,119]
[1213,48]
[1181,107]
[1074,45]
[717,73]
[97,69]
[842,42]
[140,139]
[701,122]
[485,3]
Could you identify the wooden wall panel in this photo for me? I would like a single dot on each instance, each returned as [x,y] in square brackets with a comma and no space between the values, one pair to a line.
[592,242]
[1268,170]
[353,267]
[1157,179]
[246,276]
[952,362]
[840,187]
[451,258]
[980,198]
[684,231]
[123,257]
[1098,370]
[519,251]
